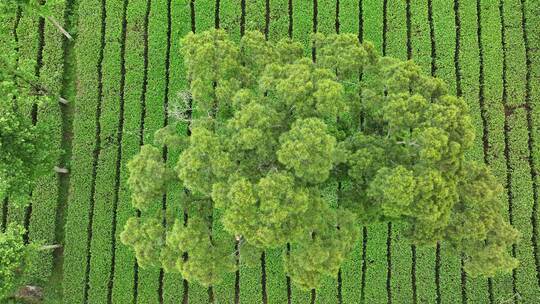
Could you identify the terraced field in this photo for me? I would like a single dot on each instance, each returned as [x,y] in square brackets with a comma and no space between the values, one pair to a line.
[123,71]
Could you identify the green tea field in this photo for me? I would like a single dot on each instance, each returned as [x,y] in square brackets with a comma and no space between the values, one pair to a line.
[122,76]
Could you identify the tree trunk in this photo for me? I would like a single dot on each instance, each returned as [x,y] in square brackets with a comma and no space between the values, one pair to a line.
[59,27]
[61,170]
[63,100]
[49,247]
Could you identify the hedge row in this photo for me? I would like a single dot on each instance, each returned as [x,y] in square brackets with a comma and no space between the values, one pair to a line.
[205,18]
[520,183]
[531,20]
[421,53]
[476,288]
[445,41]
[88,57]
[351,270]
[276,281]
[28,45]
[490,24]
[122,289]
[302,28]
[326,24]
[101,241]
[149,279]
[173,290]
[251,288]
[376,242]
[45,195]
[399,274]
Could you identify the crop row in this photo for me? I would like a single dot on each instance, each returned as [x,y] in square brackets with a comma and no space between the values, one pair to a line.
[123,275]
[519,182]
[349,18]
[253,280]
[399,254]
[181,25]
[45,196]
[325,18]
[530,18]
[421,50]
[86,145]
[276,281]
[149,280]
[377,234]
[26,32]
[447,265]
[104,183]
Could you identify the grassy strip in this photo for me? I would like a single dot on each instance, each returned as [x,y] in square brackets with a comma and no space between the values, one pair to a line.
[100,246]
[376,241]
[519,178]
[180,18]
[302,11]
[477,291]
[89,57]
[490,24]
[423,263]
[122,291]
[445,40]
[45,197]
[349,16]
[531,19]
[149,279]
[276,282]
[400,248]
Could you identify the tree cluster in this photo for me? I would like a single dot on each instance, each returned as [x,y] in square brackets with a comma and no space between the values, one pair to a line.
[25,149]
[272,131]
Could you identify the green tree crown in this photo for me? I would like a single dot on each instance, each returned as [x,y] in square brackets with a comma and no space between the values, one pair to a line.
[273,132]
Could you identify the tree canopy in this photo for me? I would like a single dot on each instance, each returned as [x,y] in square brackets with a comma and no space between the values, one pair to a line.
[272,132]
[16,260]
[26,152]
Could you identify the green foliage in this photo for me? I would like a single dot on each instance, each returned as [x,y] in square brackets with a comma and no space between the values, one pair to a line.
[34,7]
[279,131]
[26,150]
[148,177]
[207,258]
[146,236]
[16,260]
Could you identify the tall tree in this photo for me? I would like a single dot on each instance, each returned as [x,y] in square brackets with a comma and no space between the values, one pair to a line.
[274,129]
